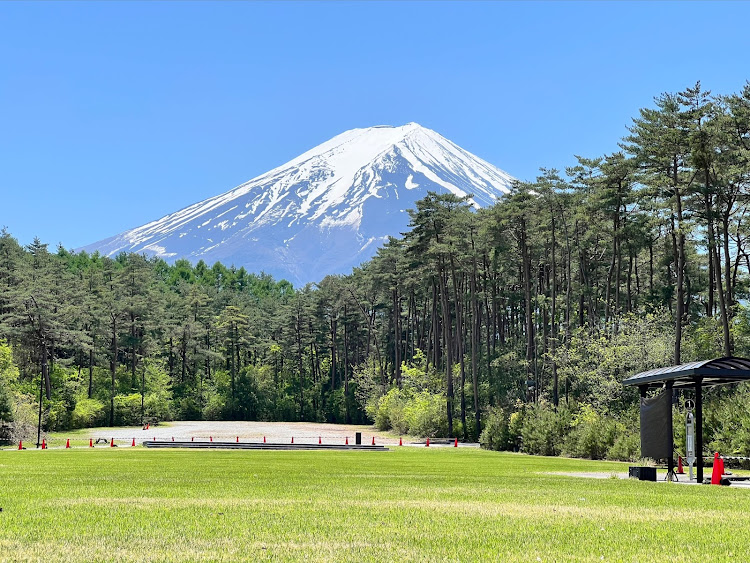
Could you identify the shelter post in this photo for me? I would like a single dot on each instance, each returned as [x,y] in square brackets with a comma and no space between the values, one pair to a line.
[699,428]
[670,463]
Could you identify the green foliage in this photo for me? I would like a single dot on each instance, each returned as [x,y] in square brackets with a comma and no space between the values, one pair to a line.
[88,413]
[417,408]
[128,409]
[544,430]
[496,433]
[591,434]
[8,377]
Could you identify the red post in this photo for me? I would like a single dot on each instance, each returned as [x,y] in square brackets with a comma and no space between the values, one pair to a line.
[112,443]
[67,444]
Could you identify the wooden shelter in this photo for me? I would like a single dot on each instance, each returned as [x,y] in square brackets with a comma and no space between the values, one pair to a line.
[695,375]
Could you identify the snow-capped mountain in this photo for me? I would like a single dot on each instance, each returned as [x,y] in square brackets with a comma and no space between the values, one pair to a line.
[323,212]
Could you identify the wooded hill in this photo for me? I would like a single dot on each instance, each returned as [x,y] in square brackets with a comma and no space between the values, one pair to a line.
[528,313]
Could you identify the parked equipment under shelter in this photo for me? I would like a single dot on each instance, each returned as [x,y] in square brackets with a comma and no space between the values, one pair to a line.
[697,375]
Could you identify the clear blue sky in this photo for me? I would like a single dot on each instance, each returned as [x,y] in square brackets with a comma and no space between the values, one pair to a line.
[114,114]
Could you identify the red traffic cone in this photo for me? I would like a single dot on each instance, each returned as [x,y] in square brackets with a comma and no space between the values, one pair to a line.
[320,441]
[264,439]
[192,438]
[373,440]
[347,441]
[400,443]
[20,444]
[148,426]
[455,444]
[44,444]
[173,438]
[133,444]
[716,471]
[210,438]
[112,443]
[427,445]
[680,470]
[292,439]
[91,442]
[154,438]
[67,444]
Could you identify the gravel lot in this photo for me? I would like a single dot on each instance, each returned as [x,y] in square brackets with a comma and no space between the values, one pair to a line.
[279,432]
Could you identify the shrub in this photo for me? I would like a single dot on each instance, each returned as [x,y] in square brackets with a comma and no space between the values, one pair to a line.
[88,413]
[425,415]
[591,435]
[390,412]
[627,446]
[496,433]
[128,409]
[544,430]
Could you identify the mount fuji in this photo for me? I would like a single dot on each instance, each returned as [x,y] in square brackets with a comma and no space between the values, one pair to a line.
[323,212]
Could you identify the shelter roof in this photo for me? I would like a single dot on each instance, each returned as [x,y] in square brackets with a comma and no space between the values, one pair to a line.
[718,371]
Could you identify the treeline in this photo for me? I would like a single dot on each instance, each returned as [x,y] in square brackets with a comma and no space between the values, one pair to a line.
[540,304]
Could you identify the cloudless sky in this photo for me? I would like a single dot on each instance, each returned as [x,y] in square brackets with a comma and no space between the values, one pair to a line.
[114,114]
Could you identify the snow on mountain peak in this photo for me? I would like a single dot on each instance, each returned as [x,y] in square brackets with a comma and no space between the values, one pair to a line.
[322,212]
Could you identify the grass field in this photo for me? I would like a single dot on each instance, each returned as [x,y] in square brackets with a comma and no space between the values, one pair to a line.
[406,504]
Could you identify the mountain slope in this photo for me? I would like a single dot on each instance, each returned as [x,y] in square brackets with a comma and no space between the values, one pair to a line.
[323,212]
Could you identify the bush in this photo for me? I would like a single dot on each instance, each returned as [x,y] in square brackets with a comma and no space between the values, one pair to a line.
[390,412]
[128,409]
[426,415]
[543,431]
[496,433]
[88,413]
[627,446]
[591,434]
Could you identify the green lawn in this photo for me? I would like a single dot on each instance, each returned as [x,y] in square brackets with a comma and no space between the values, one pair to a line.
[409,503]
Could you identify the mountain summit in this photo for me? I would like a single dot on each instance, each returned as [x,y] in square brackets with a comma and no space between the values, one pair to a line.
[323,212]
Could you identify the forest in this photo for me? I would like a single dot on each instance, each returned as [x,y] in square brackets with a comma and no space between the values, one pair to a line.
[513,325]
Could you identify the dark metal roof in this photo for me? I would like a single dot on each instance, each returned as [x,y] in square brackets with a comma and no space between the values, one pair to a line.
[711,372]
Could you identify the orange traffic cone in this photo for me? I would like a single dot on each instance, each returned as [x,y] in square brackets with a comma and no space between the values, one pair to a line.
[320,441]
[20,444]
[717,470]
[67,444]
[44,444]
[400,443]
[112,443]
[148,426]
[680,470]
[133,444]
[455,444]
[91,443]
[347,441]
[373,440]
[427,445]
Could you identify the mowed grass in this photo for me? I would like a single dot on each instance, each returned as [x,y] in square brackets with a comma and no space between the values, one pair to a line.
[423,504]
